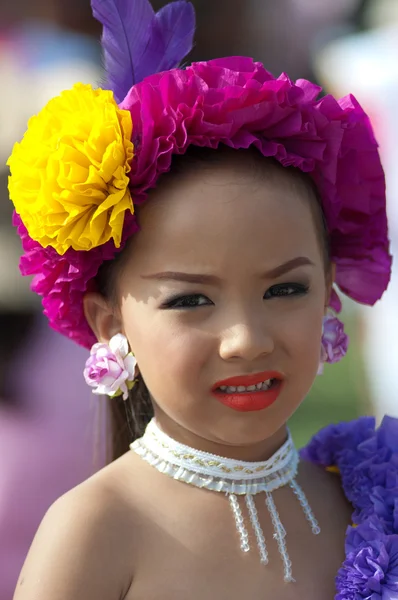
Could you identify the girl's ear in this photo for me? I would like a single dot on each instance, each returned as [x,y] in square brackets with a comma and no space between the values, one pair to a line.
[329,284]
[102,317]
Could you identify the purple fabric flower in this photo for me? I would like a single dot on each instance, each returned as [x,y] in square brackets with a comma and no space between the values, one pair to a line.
[236,102]
[370,570]
[384,502]
[368,463]
[329,443]
[387,434]
[334,340]
[110,368]
[370,476]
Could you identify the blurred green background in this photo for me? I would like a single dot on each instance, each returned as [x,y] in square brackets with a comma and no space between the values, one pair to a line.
[339,394]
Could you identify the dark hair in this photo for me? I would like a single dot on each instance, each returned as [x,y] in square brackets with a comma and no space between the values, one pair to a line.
[129,418]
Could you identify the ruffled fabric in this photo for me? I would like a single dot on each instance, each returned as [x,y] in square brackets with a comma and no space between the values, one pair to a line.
[236,102]
[63,280]
[368,463]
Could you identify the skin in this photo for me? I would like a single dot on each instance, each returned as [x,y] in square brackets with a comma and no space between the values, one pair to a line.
[130,532]
[198,225]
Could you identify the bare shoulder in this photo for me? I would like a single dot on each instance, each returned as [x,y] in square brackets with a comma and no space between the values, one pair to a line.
[326,492]
[83,549]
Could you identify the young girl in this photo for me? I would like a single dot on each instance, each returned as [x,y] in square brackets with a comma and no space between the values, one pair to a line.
[193,236]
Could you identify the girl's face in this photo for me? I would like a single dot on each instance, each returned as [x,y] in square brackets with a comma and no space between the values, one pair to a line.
[226,278]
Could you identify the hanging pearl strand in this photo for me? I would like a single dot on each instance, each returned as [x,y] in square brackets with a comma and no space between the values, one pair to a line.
[253,514]
[316,530]
[240,523]
[279,535]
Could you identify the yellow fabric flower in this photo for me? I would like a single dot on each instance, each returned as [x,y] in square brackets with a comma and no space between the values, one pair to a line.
[69,174]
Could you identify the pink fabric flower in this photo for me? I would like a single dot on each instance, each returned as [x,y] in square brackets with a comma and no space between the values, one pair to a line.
[236,102]
[334,340]
[110,369]
[62,281]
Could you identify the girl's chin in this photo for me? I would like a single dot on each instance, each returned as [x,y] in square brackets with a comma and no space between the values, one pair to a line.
[241,432]
[216,423]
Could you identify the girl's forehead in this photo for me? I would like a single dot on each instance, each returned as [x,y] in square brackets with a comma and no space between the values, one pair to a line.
[236,181]
[226,210]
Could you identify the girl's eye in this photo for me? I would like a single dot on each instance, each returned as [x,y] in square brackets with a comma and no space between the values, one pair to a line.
[286,289]
[188,301]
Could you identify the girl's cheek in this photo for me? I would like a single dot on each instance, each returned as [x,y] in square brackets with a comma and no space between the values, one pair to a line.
[167,345]
[302,325]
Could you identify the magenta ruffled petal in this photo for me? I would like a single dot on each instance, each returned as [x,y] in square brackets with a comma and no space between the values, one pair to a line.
[236,102]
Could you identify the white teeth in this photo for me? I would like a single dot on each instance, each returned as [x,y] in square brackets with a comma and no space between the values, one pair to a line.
[230,389]
[267,384]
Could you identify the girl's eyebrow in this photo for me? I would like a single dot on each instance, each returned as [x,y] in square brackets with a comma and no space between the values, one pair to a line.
[202,278]
[187,277]
[299,261]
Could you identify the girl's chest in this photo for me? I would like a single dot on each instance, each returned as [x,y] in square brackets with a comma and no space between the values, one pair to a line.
[180,573]
[194,552]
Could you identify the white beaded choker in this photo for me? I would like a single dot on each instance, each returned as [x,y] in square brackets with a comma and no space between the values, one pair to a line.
[234,478]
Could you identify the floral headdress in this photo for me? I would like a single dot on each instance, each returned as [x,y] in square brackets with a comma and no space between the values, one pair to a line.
[91,156]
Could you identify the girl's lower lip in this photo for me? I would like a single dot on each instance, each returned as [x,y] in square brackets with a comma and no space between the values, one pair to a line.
[250,401]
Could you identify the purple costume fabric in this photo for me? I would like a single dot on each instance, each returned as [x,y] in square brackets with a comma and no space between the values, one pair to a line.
[368,463]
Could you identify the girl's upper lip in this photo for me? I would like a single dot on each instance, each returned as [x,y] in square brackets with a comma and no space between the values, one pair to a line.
[247,380]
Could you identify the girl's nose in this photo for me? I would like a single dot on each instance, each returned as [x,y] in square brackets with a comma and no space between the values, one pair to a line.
[245,342]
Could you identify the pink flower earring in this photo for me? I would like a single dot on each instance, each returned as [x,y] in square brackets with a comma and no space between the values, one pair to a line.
[111,368]
[334,343]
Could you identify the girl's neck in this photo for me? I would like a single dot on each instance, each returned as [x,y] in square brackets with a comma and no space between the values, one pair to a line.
[257,452]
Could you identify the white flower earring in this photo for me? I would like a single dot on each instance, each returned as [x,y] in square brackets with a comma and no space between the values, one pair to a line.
[111,369]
